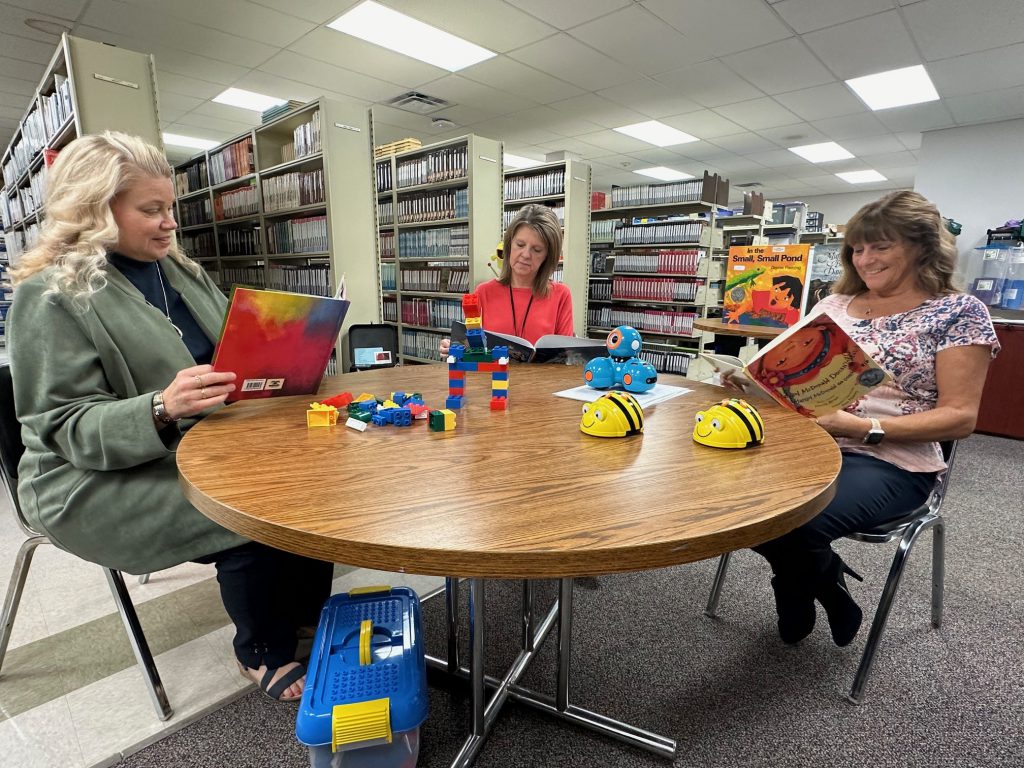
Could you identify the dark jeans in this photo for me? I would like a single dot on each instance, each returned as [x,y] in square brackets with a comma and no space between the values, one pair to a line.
[869,492]
[269,594]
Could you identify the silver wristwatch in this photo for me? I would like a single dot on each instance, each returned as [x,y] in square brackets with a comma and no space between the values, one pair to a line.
[875,434]
[160,412]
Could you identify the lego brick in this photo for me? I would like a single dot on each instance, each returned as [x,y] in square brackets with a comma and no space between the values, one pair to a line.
[499,403]
[454,402]
[356,424]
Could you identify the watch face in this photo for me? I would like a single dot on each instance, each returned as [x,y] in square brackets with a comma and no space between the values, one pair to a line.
[874,438]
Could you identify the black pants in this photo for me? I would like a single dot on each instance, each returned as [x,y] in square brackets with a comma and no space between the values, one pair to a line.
[269,594]
[869,492]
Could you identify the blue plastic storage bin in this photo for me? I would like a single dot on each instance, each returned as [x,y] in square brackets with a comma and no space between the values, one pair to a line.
[366,683]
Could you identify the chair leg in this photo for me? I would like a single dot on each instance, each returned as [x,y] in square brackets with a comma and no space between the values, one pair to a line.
[144,578]
[139,645]
[892,583]
[716,586]
[15,588]
[938,570]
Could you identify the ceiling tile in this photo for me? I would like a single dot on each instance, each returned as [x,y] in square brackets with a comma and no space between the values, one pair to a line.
[758,113]
[649,98]
[1004,104]
[874,145]
[291,66]
[600,112]
[614,141]
[747,22]
[574,62]
[12,22]
[227,128]
[808,15]
[744,143]
[566,15]
[318,11]
[62,9]
[171,82]
[264,82]
[26,49]
[778,67]
[739,168]
[573,145]
[236,17]
[793,135]
[709,83]
[22,70]
[945,28]
[509,75]
[173,106]
[399,118]
[357,55]
[15,86]
[642,41]
[865,46]
[777,158]
[658,156]
[850,126]
[882,162]
[911,140]
[916,117]
[704,124]
[510,129]
[989,70]
[147,28]
[821,101]
[562,122]
[461,90]
[494,24]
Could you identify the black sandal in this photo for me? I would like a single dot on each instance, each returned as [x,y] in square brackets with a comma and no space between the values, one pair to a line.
[275,690]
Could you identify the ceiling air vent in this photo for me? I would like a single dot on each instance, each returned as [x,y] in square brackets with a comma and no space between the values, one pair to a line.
[418,103]
[749,184]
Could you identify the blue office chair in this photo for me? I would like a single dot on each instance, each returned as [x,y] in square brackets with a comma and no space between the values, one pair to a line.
[11,449]
[908,530]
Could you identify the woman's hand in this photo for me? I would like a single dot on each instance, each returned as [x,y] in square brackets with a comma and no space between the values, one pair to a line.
[444,346]
[196,389]
[734,381]
[844,424]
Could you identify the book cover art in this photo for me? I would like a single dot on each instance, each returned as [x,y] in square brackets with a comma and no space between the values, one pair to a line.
[823,272]
[815,368]
[278,343]
[569,350]
[764,284]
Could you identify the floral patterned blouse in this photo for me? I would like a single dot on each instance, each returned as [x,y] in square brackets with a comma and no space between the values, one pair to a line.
[905,344]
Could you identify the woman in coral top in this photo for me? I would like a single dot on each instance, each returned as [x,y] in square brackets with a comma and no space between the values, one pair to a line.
[523,301]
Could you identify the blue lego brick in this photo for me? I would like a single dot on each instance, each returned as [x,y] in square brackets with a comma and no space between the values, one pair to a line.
[453,403]
[457,351]
[379,420]
[402,417]
[499,376]
[499,352]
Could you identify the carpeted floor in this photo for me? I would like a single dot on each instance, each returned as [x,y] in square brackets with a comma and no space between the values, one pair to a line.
[727,689]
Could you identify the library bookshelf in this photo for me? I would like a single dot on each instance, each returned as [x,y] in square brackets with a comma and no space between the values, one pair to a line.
[287,206]
[565,187]
[87,88]
[656,265]
[438,221]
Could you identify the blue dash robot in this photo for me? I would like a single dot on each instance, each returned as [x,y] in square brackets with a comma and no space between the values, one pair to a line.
[622,369]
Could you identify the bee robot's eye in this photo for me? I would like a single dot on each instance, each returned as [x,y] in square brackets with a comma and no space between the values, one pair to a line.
[716,424]
[699,417]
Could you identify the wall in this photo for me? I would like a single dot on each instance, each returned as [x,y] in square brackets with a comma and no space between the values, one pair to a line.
[973,175]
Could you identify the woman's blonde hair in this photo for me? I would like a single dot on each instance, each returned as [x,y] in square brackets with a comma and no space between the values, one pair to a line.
[543,221]
[79,228]
[913,219]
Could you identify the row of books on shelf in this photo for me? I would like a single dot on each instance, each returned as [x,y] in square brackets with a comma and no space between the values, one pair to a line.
[602,230]
[439,242]
[645,289]
[386,244]
[385,213]
[239,242]
[240,201]
[191,178]
[198,244]
[19,241]
[422,344]
[303,235]
[434,206]
[314,279]
[661,261]
[252,275]
[666,361]
[232,162]
[511,213]
[442,164]
[442,279]
[436,313]
[551,182]
[687,231]
[192,213]
[653,320]
[711,188]
[292,190]
[382,176]
[305,140]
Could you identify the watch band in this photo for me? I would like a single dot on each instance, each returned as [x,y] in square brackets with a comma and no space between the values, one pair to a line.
[160,412]
[875,434]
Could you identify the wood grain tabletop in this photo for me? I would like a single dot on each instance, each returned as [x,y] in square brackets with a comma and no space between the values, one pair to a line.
[516,494]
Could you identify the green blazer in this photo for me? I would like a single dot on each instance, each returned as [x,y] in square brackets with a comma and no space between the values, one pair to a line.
[97,478]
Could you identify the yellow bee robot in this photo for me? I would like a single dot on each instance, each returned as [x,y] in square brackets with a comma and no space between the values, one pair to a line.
[732,423]
[614,414]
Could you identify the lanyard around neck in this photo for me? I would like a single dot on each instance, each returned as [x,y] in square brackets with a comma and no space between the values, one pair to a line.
[512,301]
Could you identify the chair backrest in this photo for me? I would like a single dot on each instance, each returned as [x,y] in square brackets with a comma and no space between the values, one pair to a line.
[11,447]
[372,336]
[948,454]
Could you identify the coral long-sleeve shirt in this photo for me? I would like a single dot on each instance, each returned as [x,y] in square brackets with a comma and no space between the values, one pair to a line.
[530,321]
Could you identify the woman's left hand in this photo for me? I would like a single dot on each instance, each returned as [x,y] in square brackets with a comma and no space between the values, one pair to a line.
[844,424]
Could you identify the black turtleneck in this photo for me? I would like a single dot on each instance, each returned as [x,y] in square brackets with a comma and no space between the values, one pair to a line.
[144,276]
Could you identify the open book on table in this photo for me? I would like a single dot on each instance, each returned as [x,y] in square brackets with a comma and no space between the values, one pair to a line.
[278,342]
[813,368]
[570,350]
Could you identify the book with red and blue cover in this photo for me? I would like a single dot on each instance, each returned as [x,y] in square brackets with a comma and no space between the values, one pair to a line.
[277,342]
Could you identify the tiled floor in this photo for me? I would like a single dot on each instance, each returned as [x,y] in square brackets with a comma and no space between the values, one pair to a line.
[70,691]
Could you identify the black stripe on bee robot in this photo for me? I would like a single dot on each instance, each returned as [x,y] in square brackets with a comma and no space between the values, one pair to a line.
[755,429]
[633,414]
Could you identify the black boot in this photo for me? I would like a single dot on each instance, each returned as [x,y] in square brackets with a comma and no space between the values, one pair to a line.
[794,603]
[844,615]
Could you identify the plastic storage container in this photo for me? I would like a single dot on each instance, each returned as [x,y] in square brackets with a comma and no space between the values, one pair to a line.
[1013,286]
[366,684]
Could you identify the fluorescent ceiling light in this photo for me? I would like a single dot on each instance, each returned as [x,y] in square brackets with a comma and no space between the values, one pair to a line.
[821,153]
[656,133]
[257,102]
[395,31]
[663,173]
[861,177]
[177,140]
[518,161]
[895,88]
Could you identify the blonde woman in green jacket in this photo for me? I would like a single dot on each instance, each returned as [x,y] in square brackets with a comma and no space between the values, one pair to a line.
[112,330]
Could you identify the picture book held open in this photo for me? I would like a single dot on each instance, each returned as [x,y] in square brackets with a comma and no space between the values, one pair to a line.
[569,350]
[764,284]
[278,343]
[814,368]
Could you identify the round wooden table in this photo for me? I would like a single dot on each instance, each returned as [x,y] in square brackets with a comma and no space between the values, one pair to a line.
[717,325]
[520,493]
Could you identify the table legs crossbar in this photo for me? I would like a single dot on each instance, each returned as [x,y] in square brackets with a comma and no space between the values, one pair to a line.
[484,712]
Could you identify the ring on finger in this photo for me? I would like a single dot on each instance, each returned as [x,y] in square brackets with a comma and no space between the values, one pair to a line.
[199,381]
[202,392]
